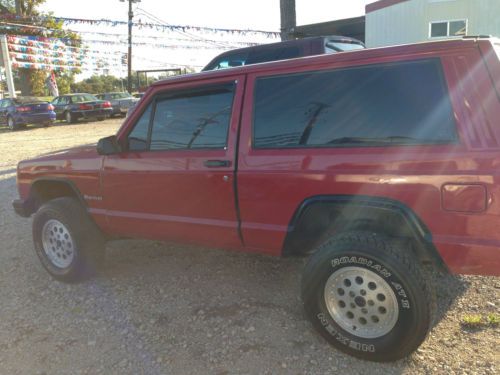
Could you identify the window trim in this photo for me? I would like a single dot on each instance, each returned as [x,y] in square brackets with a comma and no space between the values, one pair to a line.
[436,60]
[170,94]
[448,36]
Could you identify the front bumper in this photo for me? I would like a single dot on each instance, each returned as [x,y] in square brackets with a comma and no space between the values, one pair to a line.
[23,208]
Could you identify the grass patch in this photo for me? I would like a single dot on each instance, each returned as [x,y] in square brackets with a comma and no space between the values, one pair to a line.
[493,319]
[479,321]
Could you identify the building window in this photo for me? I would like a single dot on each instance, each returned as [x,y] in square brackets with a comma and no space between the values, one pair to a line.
[444,29]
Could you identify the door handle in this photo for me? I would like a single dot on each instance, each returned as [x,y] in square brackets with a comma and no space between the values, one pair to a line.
[216,163]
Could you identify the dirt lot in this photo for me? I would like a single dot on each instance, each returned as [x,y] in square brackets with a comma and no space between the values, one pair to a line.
[161,308]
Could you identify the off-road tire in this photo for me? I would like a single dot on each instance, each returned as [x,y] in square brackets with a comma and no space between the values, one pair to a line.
[396,269]
[87,241]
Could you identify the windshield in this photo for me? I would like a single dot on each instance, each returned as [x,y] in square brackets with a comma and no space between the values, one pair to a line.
[84,98]
[342,46]
[120,95]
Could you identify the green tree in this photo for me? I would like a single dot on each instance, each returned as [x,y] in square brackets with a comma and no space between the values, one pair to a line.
[98,84]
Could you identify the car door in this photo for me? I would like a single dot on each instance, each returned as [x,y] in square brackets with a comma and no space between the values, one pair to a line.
[176,178]
[57,106]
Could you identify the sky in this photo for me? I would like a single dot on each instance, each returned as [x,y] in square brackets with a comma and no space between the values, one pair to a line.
[237,14]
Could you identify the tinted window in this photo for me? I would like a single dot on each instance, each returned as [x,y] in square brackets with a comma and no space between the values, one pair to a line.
[273,54]
[83,98]
[196,119]
[404,103]
[138,137]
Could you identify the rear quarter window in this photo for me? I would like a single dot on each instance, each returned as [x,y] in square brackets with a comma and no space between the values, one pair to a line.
[387,104]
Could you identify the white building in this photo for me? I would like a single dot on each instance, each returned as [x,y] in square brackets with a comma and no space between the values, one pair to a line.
[390,22]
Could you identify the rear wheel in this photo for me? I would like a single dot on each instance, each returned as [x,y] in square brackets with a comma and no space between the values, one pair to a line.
[67,242]
[11,123]
[366,297]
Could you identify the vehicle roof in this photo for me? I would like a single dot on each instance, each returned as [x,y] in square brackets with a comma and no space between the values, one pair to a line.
[290,42]
[77,93]
[355,55]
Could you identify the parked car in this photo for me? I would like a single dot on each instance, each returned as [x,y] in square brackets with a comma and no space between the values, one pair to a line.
[21,111]
[377,164]
[73,107]
[284,50]
[121,102]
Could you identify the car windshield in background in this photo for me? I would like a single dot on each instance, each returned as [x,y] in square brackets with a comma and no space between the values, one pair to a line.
[120,95]
[343,46]
[84,98]
[26,100]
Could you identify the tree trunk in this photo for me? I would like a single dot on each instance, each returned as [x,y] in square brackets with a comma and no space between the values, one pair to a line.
[288,19]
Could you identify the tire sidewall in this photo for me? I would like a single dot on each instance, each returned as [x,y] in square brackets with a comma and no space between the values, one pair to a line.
[68,117]
[45,214]
[407,295]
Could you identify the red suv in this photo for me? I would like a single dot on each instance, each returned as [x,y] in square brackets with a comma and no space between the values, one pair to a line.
[376,163]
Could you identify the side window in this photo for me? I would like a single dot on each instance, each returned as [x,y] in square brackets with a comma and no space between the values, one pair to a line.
[386,104]
[63,100]
[138,137]
[56,100]
[195,119]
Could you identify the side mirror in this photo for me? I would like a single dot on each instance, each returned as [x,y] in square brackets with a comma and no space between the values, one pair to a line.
[108,146]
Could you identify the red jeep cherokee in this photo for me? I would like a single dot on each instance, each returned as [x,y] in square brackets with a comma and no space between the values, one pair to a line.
[376,162]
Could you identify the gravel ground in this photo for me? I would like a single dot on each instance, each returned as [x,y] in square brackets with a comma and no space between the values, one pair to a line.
[164,308]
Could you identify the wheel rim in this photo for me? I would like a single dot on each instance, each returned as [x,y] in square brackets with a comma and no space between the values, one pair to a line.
[10,123]
[68,117]
[361,302]
[58,244]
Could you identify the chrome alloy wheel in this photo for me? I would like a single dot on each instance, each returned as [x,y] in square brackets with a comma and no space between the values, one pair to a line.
[58,244]
[361,302]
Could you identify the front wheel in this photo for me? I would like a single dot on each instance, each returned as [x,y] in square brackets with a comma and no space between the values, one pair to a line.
[67,241]
[366,297]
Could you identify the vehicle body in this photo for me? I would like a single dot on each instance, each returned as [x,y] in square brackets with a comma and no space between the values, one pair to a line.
[284,50]
[378,162]
[72,107]
[17,112]
[121,102]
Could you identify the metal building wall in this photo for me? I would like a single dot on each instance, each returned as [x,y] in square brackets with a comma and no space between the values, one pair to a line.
[408,21]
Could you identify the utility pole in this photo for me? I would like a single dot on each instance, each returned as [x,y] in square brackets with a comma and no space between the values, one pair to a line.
[129,57]
[18,8]
[288,19]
